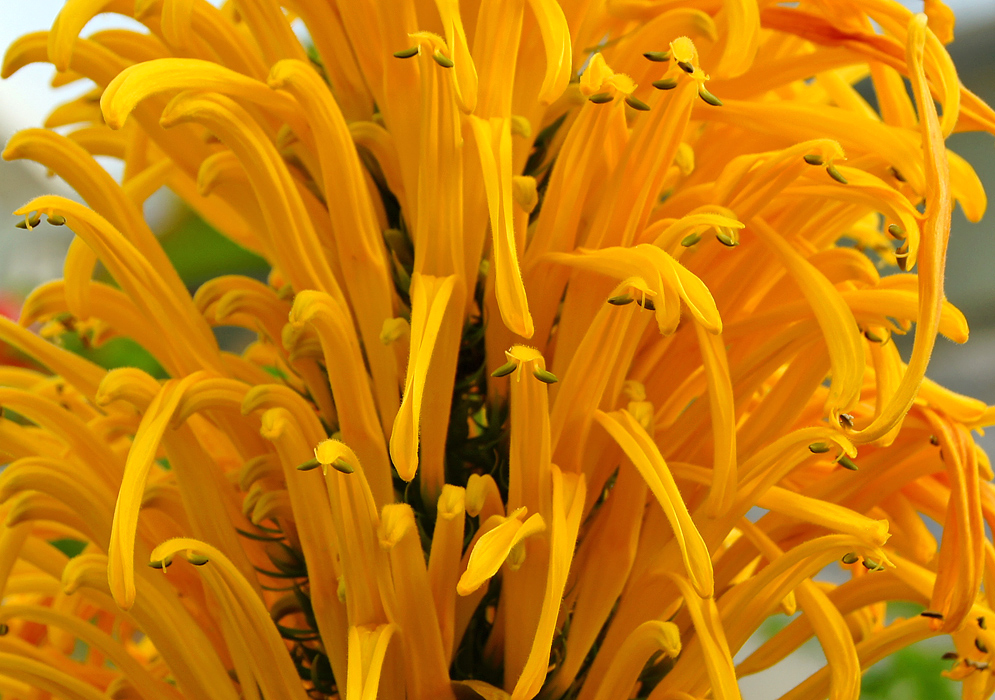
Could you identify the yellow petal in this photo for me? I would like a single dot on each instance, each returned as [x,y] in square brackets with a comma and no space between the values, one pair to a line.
[646,458]
[246,615]
[431,302]
[846,349]
[444,560]
[494,147]
[935,232]
[723,415]
[628,661]
[426,670]
[556,40]
[569,491]
[465,71]
[708,628]
[493,549]
[367,651]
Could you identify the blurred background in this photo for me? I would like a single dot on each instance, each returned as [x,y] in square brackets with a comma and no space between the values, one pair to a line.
[28,258]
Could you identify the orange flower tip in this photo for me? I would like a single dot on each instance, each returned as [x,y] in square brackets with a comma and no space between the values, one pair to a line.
[601,98]
[406,53]
[686,66]
[850,558]
[442,60]
[980,645]
[544,376]
[813,159]
[308,465]
[620,300]
[836,175]
[657,56]
[872,565]
[57,220]
[665,83]
[950,655]
[873,337]
[504,370]
[637,104]
[690,239]
[197,559]
[847,463]
[818,448]
[896,174]
[726,240]
[897,231]
[707,97]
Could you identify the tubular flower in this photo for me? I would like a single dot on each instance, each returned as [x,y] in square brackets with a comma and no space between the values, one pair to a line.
[558,292]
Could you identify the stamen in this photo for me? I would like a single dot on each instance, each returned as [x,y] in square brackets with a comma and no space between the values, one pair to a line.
[726,240]
[872,565]
[657,56]
[57,220]
[620,300]
[850,558]
[846,420]
[690,239]
[544,376]
[406,53]
[819,448]
[308,465]
[950,655]
[902,257]
[873,337]
[601,98]
[197,559]
[504,370]
[898,176]
[981,623]
[637,104]
[980,645]
[813,159]
[836,175]
[443,61]
[665,83]
[708,97]
[847,463]
[686,66]
[341,465]
[897,231]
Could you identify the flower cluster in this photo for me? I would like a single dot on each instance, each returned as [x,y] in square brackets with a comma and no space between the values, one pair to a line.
[560,292]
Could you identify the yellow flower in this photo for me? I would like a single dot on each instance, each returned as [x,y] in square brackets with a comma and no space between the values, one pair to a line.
[560,291]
